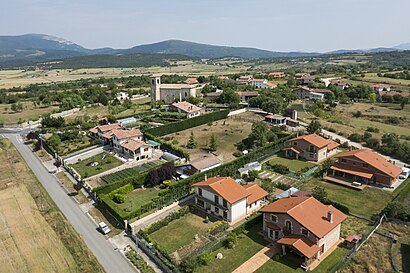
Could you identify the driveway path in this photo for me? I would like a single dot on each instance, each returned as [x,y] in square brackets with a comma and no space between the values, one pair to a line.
[111,260]
[257,260]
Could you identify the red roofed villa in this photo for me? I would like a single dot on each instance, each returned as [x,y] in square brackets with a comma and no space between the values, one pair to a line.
[227,199]
[304,227]
[364,166]
[311,148]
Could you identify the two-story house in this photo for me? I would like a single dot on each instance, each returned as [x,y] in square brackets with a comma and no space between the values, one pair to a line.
[100,132]
[245,96]
[303,226]
[120,136]
[311,147]
[227,199]
[365,166]
[262,84]
[137,149]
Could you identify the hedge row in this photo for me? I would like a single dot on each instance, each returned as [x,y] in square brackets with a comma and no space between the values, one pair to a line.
[188,123]
[121,190]
[182,188]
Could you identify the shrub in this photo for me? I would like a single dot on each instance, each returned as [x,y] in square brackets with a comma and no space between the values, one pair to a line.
[279,168]
[356,137]
[118,198]
[231,241]
[373,129]
[344,145]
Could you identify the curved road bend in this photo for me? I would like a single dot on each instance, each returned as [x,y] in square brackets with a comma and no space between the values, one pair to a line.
[111,260]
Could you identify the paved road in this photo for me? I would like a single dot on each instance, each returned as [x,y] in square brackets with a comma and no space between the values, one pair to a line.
[111,260]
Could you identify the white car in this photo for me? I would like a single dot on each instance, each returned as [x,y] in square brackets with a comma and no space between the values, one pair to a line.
[405,174]
[104,228]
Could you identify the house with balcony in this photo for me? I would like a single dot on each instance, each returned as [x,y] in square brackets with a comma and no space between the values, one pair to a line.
[365,167]
[119,136]
[303,227]
[226,199]
[103,132]
[311,148]
[137,149]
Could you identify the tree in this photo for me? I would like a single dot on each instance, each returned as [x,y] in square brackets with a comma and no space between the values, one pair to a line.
[229,96]
[192,144]
[213,145]
[193,100]
[78,186]
[314,127]
[17,107]
[372,97]
[320,194]
[403,103]
[326,166]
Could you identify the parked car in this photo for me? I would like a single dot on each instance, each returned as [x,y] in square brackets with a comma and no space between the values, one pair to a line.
[405,174]
[104,228]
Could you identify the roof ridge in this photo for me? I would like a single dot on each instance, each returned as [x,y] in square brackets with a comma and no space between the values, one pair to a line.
[299,203]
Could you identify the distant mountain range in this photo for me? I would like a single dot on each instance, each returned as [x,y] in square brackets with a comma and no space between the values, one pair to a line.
[39,47]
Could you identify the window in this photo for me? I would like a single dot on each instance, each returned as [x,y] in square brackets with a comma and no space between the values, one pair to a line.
[216,210]
[343,160]
[199,191]
[311,155]
[354,163]
[304,231]
[288,225]
[200,203]
[270,233]
[365,165]
[216,199]
[295,143]
[225,203]
[274,218]
[146,150]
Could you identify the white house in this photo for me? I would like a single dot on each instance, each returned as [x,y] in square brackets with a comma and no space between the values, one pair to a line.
[262,84]
[122,96]
[381,87]
[226,199]
[137,149]
[185,107]
[253,166]
[120,136]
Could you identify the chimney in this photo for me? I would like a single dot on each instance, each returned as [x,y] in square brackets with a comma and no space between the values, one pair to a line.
[295,115]
[330,216]
[206,177]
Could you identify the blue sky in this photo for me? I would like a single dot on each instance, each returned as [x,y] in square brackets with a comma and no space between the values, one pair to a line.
[286,25]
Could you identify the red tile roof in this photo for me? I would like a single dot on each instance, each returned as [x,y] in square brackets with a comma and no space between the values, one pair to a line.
[317,141]
[226,187]
[256,192]
[304,245]
[309,212]
[186,107]
[191,81]
[123,134]
[108,127]
[351,170]
[133,145]
[373,159]
[205,162]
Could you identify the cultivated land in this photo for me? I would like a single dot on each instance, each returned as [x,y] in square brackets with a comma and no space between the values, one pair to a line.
[104,160]
[228,132]
[139,197]
[29,112]
[35,237]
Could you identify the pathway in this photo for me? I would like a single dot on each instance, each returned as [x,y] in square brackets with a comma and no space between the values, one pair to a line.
[257,260]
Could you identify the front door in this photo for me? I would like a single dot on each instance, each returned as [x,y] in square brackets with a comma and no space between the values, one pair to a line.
[276,234]
[226,214]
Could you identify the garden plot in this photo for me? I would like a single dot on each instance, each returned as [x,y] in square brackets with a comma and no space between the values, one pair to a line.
[228,132]
[275,177]
[126,173]
[96,164]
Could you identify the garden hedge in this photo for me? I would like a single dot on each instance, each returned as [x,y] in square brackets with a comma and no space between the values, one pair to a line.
[188,123]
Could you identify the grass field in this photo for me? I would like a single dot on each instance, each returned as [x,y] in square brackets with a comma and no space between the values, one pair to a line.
[292,164]
[227,132]
[180,232]
[29,112]
[139,197]
[105,163]
[367,202]
[35,236]
[248,245]
[79,196]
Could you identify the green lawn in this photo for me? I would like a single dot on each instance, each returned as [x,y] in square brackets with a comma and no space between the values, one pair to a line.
[138,197]
[285,265]
[180,232]
[85,170]
[29,112]
[292,164]
[248,245]
[367,202]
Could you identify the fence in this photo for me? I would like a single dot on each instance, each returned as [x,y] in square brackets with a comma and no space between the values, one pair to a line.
[145,247]
[303,175]
[358,245]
